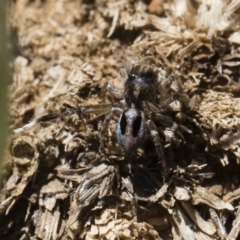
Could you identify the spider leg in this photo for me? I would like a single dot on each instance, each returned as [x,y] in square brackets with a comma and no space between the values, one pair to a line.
[171,128]
[127,183]
[157,143]
[168,81]
[123,73]
[113,91]
[181,97]
[97,109]
[104,126]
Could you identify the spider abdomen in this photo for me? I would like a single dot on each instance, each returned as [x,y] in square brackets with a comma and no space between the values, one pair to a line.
[131,129]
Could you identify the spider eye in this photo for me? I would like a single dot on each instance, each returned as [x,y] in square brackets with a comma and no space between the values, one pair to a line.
[131,77]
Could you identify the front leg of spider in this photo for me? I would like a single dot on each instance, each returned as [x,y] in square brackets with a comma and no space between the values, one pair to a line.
[158,146]
[49,117]
[127,183]
[105,123]
[80,111]
[112,90]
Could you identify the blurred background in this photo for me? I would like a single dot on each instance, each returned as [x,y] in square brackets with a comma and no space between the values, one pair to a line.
[4,76]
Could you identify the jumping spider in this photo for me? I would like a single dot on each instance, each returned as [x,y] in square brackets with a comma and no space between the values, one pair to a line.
[145,100]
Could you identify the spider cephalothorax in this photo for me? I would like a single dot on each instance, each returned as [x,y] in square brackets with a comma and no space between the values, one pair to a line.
[141,85]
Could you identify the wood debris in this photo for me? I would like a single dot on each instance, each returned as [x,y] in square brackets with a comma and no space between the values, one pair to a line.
[56,183]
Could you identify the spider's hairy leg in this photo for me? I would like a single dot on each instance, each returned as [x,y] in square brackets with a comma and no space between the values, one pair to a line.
[105,123]
[151,109]
[172,130]
[158,146]
[123,73]
[46,118]
[113,91]
[97,109]
[166,83]
[180,97]
[128,184]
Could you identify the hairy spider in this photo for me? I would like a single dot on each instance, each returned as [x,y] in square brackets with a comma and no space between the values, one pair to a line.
[145,100]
